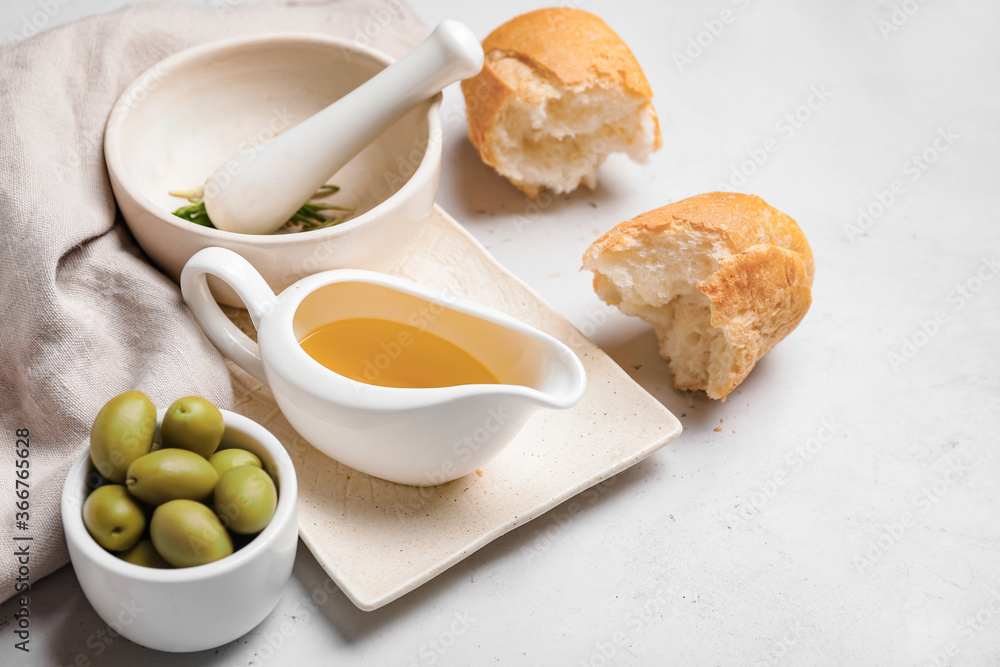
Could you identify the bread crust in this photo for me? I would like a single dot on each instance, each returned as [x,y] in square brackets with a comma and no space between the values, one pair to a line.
[572,46]
[762,288]
[562,44]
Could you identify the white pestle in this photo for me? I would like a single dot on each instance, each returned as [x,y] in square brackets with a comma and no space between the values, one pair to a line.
[256,193]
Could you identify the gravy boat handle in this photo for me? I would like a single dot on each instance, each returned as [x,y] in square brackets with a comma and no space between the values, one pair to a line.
[239,274]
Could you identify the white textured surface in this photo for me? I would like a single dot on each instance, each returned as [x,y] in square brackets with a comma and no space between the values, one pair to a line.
[730,548]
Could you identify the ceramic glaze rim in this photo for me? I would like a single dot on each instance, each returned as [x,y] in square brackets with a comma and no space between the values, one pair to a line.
[183,60]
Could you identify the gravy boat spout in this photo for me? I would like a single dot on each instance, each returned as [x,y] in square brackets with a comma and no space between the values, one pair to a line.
[418,436]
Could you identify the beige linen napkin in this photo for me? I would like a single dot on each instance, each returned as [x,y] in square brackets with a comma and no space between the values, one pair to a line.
[83,316]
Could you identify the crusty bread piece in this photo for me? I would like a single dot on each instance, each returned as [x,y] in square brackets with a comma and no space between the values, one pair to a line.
[722,277]
[559,91]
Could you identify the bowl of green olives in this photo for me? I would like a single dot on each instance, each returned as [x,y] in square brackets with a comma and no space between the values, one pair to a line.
[181,523]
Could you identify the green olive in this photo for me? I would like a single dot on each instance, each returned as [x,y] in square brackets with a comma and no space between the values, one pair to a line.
[192,423]
[225,460]
[121,433]
[170,474]
[113,517]
[186,533]
[245,499]
[144,553]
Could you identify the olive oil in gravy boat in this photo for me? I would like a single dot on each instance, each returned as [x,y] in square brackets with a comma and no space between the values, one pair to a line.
[421,436]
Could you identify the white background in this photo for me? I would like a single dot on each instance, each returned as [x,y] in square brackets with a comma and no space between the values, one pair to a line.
[847,512]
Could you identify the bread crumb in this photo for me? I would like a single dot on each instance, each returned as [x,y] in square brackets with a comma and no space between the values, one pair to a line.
[480,472]
[734,430]
[721,420]
[717,428]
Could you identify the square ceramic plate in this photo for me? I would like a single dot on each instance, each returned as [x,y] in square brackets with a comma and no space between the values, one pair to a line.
[380,540]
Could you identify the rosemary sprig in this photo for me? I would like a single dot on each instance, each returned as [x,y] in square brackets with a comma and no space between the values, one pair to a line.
[308,218]
[195,213]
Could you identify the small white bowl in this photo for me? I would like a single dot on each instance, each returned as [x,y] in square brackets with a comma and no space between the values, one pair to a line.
[190,113]
[194,608]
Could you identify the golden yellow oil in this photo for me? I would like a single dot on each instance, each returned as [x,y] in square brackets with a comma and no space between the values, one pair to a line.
[393,354]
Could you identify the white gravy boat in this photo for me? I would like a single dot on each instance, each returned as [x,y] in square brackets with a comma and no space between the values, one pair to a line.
[422,436]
